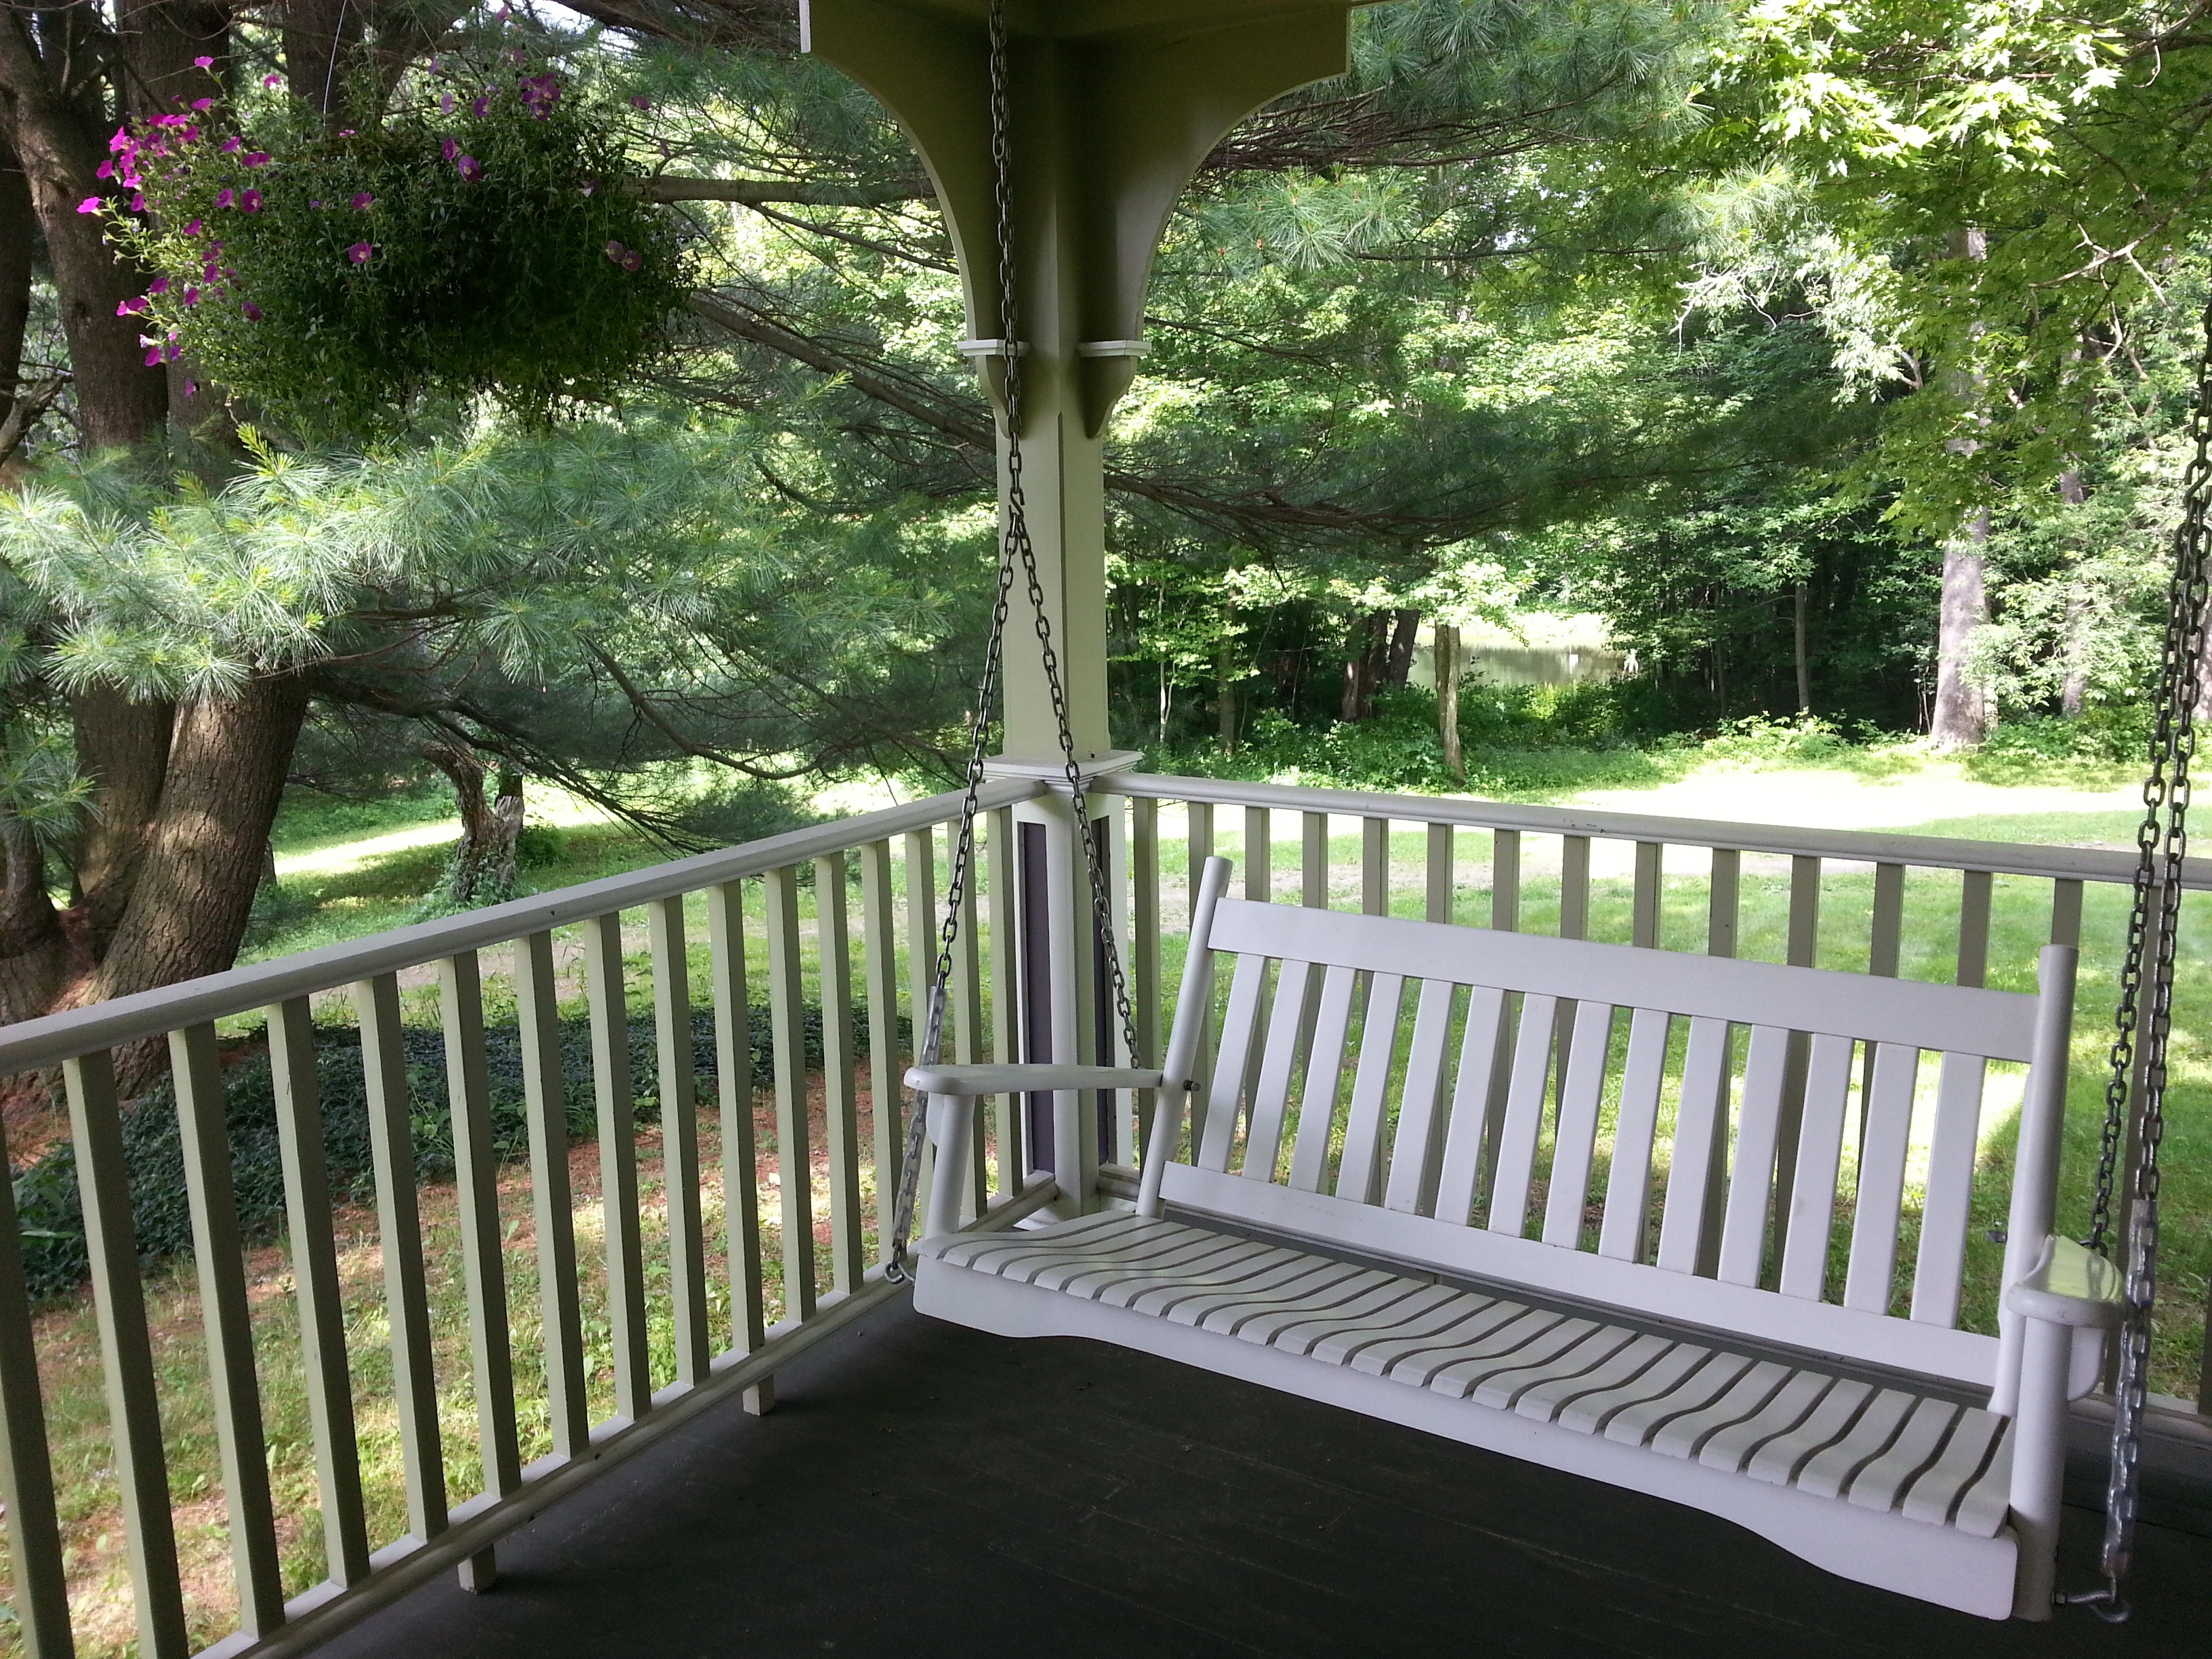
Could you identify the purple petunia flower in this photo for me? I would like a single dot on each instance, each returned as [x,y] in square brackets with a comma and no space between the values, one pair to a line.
[133,307]
[448,148]
[251,201]
[361,252]
[446,104]
[138,203]
[159,285]
[639,101]
[193,228]
[104,170]
[203,63]
[191,388]
[633,260]
[345,132]
[232,145]
[226,196]
[203,103]
[250,311]
[470,168]
[615,252]
[316,202]
[153,356]
[481,104]
[362,199]
[168,354]
[259,159]
[192,296]
[272,80]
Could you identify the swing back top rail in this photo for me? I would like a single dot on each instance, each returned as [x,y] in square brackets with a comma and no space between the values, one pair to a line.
[740,947]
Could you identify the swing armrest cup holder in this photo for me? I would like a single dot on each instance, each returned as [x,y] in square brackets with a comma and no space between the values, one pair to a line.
[966,1081]
[2069,1285]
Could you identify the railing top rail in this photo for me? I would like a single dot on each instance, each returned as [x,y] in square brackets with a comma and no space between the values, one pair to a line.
[56,1038]
[1865,846]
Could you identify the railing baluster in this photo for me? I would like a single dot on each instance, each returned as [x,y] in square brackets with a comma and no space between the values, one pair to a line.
[1724,902]
[1886,939]
[2066,912]
[733,1076]
[794,1161]
[839,1112]
[233,1388]
[400,1237]
[1974,927]
[1013,1161]
[605,988]
[1574,923]
[1803,952]
[1259,854]
[126,1355]
[679,1138]
[1440,884]
[476,1181]
[545,1102]
[1505,880]
[1375,866]
[41,1597]
[965,1019]
[1313,893]
[879,974]
[305,1156]
[1651,869]
[1146,989]
[922,923]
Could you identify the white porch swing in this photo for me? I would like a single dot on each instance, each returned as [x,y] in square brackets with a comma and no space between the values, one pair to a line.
[1676,1336]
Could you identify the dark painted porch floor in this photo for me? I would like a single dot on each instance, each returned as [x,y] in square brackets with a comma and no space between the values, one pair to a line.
[925,1490]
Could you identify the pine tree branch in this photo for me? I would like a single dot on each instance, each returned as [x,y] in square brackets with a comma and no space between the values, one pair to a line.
[752,192]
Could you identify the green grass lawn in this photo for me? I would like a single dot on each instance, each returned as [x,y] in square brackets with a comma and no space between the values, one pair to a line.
[347,871]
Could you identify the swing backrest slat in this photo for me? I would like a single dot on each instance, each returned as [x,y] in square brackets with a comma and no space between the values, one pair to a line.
[1663,1133]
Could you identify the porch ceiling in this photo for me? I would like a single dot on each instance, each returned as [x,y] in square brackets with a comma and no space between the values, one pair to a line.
[925,1489]
[1072,20]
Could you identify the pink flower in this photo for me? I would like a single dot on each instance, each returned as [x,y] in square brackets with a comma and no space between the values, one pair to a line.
[272,80]
[191,388]
[90,204]
[616,250]
[202,63]
[446,104]
[259,159]
[226,196]
[345,132]
[250,311]
[168,354]
[133,307]
[316,202]
[639,101]
[251,201]
[104,170]
[470,168]
[138,203]
[361,252]
[361,199]
[232,145]
[193,228]
[480,104]
[633,260]
[449,149]
[159,285]
[203,103]
[192,296]
[153,356]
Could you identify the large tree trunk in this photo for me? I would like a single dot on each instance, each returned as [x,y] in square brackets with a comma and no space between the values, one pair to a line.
[322,40]
[1961,715]
[1364,661]
[37,958]
[197,879]
[122,750]
[479,826]
[1225,691]
[1405,638]
[2074,690]
[1448,672]
[19,226]
[1799,653]
[55,135]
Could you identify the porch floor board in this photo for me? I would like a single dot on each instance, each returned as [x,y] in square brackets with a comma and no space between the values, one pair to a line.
[923,1489]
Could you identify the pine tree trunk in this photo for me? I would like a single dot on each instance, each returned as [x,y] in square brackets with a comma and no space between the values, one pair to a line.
[2074,689]
[122,750]
[119,400]
[479,827]
[1447,670]
[507,816]
[1961,715]
[202,863]
[322,39]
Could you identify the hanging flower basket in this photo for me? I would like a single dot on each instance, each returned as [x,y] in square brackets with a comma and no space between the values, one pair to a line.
[477,240]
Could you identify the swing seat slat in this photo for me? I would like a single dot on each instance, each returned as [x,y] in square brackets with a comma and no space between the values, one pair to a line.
[1452,1178]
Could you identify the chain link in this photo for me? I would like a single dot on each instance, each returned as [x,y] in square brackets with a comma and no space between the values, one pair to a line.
[1016,547]
[2145,1013]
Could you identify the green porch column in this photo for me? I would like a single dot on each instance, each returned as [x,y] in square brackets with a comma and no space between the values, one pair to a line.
[1112,105]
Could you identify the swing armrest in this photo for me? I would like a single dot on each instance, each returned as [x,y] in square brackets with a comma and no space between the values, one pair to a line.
[967,1081]
[2069,1285]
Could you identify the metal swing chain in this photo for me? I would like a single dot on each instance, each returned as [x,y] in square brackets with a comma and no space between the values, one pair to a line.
[1017,546]
[2162,843]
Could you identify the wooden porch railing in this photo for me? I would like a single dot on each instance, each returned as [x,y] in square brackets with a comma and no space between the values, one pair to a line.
[670,1312]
